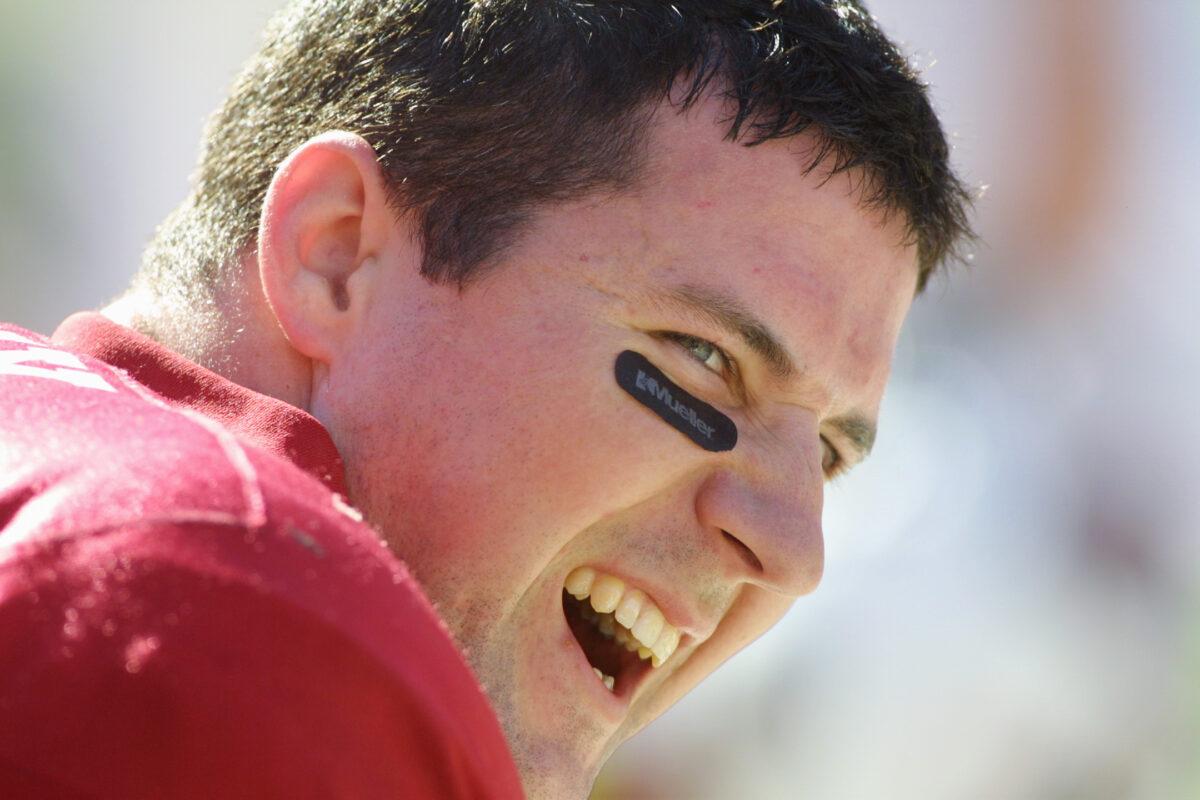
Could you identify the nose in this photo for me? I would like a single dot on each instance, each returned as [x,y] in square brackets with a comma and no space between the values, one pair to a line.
[767,506]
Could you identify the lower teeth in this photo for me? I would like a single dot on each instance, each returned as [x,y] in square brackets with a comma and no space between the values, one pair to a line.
[606,623]
[607,680]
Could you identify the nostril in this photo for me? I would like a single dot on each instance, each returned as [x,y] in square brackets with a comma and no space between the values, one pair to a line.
[745,552]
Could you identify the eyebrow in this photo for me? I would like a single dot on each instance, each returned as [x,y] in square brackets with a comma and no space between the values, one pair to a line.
[731,314]
[858,430]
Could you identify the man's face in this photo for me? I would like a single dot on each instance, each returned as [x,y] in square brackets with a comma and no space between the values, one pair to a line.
[486,437]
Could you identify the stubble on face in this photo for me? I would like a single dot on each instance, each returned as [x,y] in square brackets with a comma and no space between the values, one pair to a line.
[499,454]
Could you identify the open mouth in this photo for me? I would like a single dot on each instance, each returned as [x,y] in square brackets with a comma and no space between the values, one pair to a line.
[620,630]
[615,664]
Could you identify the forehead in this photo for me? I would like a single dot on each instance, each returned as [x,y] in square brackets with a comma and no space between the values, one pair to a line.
[764,199]
[830,278]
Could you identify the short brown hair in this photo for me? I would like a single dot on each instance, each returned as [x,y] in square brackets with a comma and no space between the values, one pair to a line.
[481,110]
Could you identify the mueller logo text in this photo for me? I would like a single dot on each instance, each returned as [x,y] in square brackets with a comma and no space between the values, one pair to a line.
[663,395]
[691,416]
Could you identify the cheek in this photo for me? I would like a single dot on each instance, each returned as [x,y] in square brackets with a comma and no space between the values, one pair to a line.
[539,457]
[498,455]
[560,450]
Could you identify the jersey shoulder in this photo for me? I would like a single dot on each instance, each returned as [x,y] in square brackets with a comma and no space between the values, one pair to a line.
[88,448]
[166,586]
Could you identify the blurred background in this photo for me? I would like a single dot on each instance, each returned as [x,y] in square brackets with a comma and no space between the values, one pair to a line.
[1011,607]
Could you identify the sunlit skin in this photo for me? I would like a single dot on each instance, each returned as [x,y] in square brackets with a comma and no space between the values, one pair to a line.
[485,436]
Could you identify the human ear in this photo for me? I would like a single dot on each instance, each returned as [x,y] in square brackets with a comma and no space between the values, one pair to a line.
[325,220]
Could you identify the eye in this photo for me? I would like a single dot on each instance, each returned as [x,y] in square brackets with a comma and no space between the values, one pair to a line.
[704,351]
[831,459]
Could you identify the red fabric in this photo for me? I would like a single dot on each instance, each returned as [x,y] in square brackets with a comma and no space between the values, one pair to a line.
[188,611]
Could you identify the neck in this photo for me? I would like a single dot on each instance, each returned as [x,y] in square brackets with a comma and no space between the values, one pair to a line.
[233,333]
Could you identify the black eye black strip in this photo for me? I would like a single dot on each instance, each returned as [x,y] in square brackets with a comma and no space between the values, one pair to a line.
[694,418]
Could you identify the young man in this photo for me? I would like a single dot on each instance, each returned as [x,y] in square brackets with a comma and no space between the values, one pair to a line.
[506,281]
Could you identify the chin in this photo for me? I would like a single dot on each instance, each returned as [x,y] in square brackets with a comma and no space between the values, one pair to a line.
[557,745]
[539,786]
[553,767]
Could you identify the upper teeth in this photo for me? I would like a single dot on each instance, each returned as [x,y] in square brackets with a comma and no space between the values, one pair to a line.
[639,625]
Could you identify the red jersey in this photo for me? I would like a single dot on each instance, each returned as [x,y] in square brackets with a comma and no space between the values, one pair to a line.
[188,609]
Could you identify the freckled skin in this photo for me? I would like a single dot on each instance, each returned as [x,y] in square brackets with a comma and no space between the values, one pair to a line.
[486,438]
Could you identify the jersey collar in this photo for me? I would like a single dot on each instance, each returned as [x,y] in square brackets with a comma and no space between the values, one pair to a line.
[266,422]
